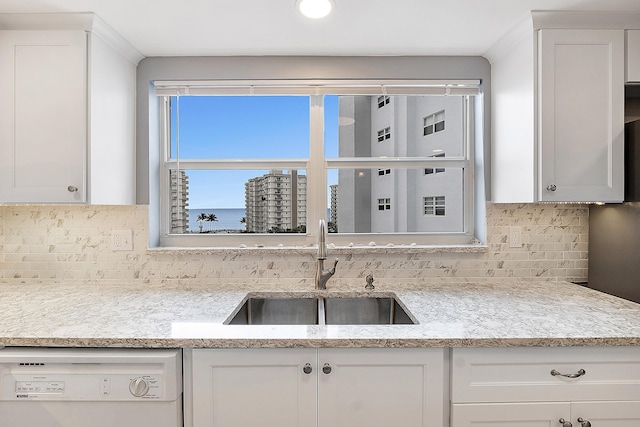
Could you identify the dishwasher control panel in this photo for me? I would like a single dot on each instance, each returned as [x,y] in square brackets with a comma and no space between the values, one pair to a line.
[63,386]
[89,375]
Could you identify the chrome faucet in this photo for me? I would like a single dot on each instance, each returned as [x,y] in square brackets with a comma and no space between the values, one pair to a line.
[323,275]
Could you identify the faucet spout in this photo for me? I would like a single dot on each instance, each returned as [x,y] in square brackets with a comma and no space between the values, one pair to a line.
[322,274]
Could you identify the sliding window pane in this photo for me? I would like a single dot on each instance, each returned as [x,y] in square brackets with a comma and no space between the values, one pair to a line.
[388,200]
[405,126]
[238,201]
[224,127]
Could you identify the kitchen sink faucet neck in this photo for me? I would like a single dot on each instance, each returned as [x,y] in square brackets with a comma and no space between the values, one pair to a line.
[323,275]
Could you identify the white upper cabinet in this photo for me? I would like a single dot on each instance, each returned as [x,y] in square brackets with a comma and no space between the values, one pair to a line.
[581,115]
[67,115]
[558,109]
[43,125]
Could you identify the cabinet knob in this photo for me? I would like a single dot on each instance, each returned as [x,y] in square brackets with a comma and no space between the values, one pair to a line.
[326,368]
[578,374]
[565,423]
[583,422]
[307,369]
[72,189]
[552,187]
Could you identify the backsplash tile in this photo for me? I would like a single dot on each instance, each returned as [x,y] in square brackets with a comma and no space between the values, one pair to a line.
[72,243]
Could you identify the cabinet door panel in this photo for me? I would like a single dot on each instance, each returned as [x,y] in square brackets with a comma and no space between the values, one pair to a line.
[509,414]
[381,387]
[44,103]
[256,387]
[581,109]
[607,414]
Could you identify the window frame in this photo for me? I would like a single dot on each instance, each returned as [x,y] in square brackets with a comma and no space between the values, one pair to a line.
[316,166]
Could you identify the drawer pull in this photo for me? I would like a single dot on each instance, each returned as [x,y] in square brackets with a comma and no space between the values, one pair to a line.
[565,423]
[580,373]
[583,422]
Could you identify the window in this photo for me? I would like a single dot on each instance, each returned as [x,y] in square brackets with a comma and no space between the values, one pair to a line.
[384,134]
[434,205]
[384,204]
[429,171]
[383,100]
[266,160]
[433,123]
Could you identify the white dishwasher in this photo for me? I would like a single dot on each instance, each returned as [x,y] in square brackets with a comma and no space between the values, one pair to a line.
[73,387]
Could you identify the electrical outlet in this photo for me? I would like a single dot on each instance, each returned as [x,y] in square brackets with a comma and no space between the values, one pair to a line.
[122,240]
[515,237]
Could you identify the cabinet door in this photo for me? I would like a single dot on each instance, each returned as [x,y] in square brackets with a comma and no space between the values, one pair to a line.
[381,387]
[43,130]
[607,414]
[254,387]
[509,414]
[581,115]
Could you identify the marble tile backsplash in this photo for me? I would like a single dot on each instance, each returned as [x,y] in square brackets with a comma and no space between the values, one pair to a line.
[62,244]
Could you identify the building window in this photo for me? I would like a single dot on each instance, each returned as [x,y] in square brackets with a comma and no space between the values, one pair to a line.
[272,184]
[429,171]
[434,205]
[384,134]
[433,123]
[384,204]
[383,100]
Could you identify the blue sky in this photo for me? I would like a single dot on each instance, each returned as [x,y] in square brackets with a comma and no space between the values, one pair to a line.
[226,127]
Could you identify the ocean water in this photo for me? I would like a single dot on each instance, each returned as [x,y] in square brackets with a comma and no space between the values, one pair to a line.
[228,219]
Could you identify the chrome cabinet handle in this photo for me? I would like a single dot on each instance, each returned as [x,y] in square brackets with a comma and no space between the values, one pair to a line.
[552,187]
[580,373]
[326,368]
[72,189]
[565,423]
[307,369]
[583,422]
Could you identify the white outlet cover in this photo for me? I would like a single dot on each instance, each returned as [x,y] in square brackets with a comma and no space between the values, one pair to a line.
[122,240]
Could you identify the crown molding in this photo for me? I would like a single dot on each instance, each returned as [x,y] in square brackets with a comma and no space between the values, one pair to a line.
[89,22]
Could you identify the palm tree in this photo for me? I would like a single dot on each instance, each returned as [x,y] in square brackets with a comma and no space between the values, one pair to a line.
[211,218]
[202,217]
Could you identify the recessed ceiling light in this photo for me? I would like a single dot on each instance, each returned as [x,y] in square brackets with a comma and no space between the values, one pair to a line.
[314,8]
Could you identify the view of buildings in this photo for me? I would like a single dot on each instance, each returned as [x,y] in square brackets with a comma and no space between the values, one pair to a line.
[365,200]
[179,200]
[276,202]
[400,200]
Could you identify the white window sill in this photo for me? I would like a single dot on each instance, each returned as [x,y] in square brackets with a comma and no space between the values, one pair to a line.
[333,250]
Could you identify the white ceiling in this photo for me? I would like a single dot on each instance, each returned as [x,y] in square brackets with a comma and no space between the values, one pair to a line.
[273,27]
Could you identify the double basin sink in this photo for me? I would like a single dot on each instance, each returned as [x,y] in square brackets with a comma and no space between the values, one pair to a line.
[321,309]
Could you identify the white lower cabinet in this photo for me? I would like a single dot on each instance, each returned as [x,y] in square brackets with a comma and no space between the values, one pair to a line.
[318,387]
[546,387]
[583,414]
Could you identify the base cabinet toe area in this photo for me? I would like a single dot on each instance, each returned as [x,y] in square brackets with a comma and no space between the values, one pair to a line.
[536,387]
[317,387]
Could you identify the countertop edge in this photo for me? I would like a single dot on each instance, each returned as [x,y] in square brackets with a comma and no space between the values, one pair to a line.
[319,343]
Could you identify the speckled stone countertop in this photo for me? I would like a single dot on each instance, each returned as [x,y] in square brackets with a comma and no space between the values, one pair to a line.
[507,313]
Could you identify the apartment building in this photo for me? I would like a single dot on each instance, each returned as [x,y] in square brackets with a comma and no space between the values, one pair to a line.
[276,202]
[179,183]
[402,199]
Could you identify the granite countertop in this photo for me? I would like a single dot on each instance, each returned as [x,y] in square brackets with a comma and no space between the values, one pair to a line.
[505,313]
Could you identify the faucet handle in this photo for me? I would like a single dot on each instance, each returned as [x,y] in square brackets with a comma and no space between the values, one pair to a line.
[369,286]
[333,269]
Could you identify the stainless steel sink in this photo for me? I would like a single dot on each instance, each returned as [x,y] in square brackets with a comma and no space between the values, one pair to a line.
[321,309]
[365,311]
[276,311]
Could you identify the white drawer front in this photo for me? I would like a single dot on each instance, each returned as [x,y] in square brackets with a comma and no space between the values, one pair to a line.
[524,374]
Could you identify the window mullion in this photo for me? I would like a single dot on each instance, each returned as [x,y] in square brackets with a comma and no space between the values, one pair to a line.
[317,181]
